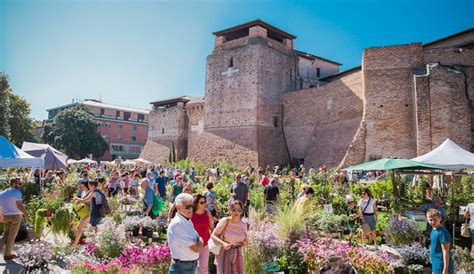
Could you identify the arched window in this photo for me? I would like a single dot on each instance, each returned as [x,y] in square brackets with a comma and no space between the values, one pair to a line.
[231,62]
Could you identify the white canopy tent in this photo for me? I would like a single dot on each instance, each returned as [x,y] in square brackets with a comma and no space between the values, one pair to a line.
[128,163]
[141,161]
[448,155]
[85,161]
[13,157]
[71,161]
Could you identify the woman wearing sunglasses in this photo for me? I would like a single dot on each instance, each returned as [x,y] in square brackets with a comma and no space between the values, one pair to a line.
[231,233]
[204,224]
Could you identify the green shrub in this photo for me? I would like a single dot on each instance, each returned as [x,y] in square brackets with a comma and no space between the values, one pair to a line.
[291,221]
[339,204]
[60,221]
[379,187]
[328,222]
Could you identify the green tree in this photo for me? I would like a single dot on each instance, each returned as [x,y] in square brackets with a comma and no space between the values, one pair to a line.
[21,126]
[74,130]
[4,89]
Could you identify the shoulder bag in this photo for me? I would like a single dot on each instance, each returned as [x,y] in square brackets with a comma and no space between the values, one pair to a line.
[465,231]
[365,226]
[215,247]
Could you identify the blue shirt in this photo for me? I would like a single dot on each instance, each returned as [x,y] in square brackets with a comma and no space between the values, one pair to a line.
[151,182]
[148,199]
[162,184]
[437,237]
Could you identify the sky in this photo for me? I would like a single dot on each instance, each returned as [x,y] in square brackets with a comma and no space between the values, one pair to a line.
[134,52]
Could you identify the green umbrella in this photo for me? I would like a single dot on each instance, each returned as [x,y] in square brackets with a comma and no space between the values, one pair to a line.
[391,163]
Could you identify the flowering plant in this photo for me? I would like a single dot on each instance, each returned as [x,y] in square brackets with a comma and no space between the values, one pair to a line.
[149,224]
[35,256]
[114,266]
[415,268]
[155,258]
[265,236]
[110,239]
[414,254]
[318,253]
[463,259]
[368,262]
[401,231]
[131,222]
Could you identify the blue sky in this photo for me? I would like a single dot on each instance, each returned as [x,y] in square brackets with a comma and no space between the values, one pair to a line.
[135,52]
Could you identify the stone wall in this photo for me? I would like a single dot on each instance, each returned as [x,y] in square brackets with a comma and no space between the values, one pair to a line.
[245,80]
[167,126]
[276,75]
[388,90]
[195,112]
[443,108]
[320,123]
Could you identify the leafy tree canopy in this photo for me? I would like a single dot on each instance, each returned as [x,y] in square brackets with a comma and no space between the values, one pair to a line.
[74,131]
[15,123]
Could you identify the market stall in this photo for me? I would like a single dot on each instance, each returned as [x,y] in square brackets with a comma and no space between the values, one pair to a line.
[13,157]
[53,158]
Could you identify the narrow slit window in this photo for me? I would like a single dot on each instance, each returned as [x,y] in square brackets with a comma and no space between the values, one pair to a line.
[231,62]
[275,121]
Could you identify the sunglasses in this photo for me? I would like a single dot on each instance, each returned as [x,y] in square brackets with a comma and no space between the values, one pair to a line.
[202,202]
[237,210]
[188,207]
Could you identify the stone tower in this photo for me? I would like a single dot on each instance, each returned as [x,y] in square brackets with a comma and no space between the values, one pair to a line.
[248,71]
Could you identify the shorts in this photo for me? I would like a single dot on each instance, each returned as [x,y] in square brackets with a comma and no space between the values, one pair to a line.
[472,235]
[351,227]
[370,220]
[95,221]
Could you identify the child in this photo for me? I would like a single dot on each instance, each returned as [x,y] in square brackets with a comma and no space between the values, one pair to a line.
[440,246]
[352,213]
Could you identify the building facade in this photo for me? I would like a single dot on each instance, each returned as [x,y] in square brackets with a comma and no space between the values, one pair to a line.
[125,129]
[266,103]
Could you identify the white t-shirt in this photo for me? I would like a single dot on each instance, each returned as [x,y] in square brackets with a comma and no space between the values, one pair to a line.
[181,235]
[8,199]
[470,209]
[370,207]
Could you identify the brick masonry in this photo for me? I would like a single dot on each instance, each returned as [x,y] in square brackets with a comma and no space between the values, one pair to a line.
[404,101]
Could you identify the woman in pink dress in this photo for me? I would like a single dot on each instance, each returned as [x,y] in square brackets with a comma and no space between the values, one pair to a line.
[231,233]
[204,224]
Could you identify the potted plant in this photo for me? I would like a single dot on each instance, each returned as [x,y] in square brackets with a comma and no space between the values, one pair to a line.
[60,221]
[149,226]
[401,231]
[132,224]
[53,204]
[40,221]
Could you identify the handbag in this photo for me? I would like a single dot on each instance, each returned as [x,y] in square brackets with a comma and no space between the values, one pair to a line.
[365,226]
[215,247]
[465,231]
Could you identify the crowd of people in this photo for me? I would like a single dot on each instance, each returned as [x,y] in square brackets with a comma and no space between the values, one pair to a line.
[196,224]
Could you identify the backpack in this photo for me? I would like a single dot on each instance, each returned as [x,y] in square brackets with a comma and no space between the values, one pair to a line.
[104,208]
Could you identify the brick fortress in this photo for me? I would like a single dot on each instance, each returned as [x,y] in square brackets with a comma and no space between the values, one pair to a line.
[266,103]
